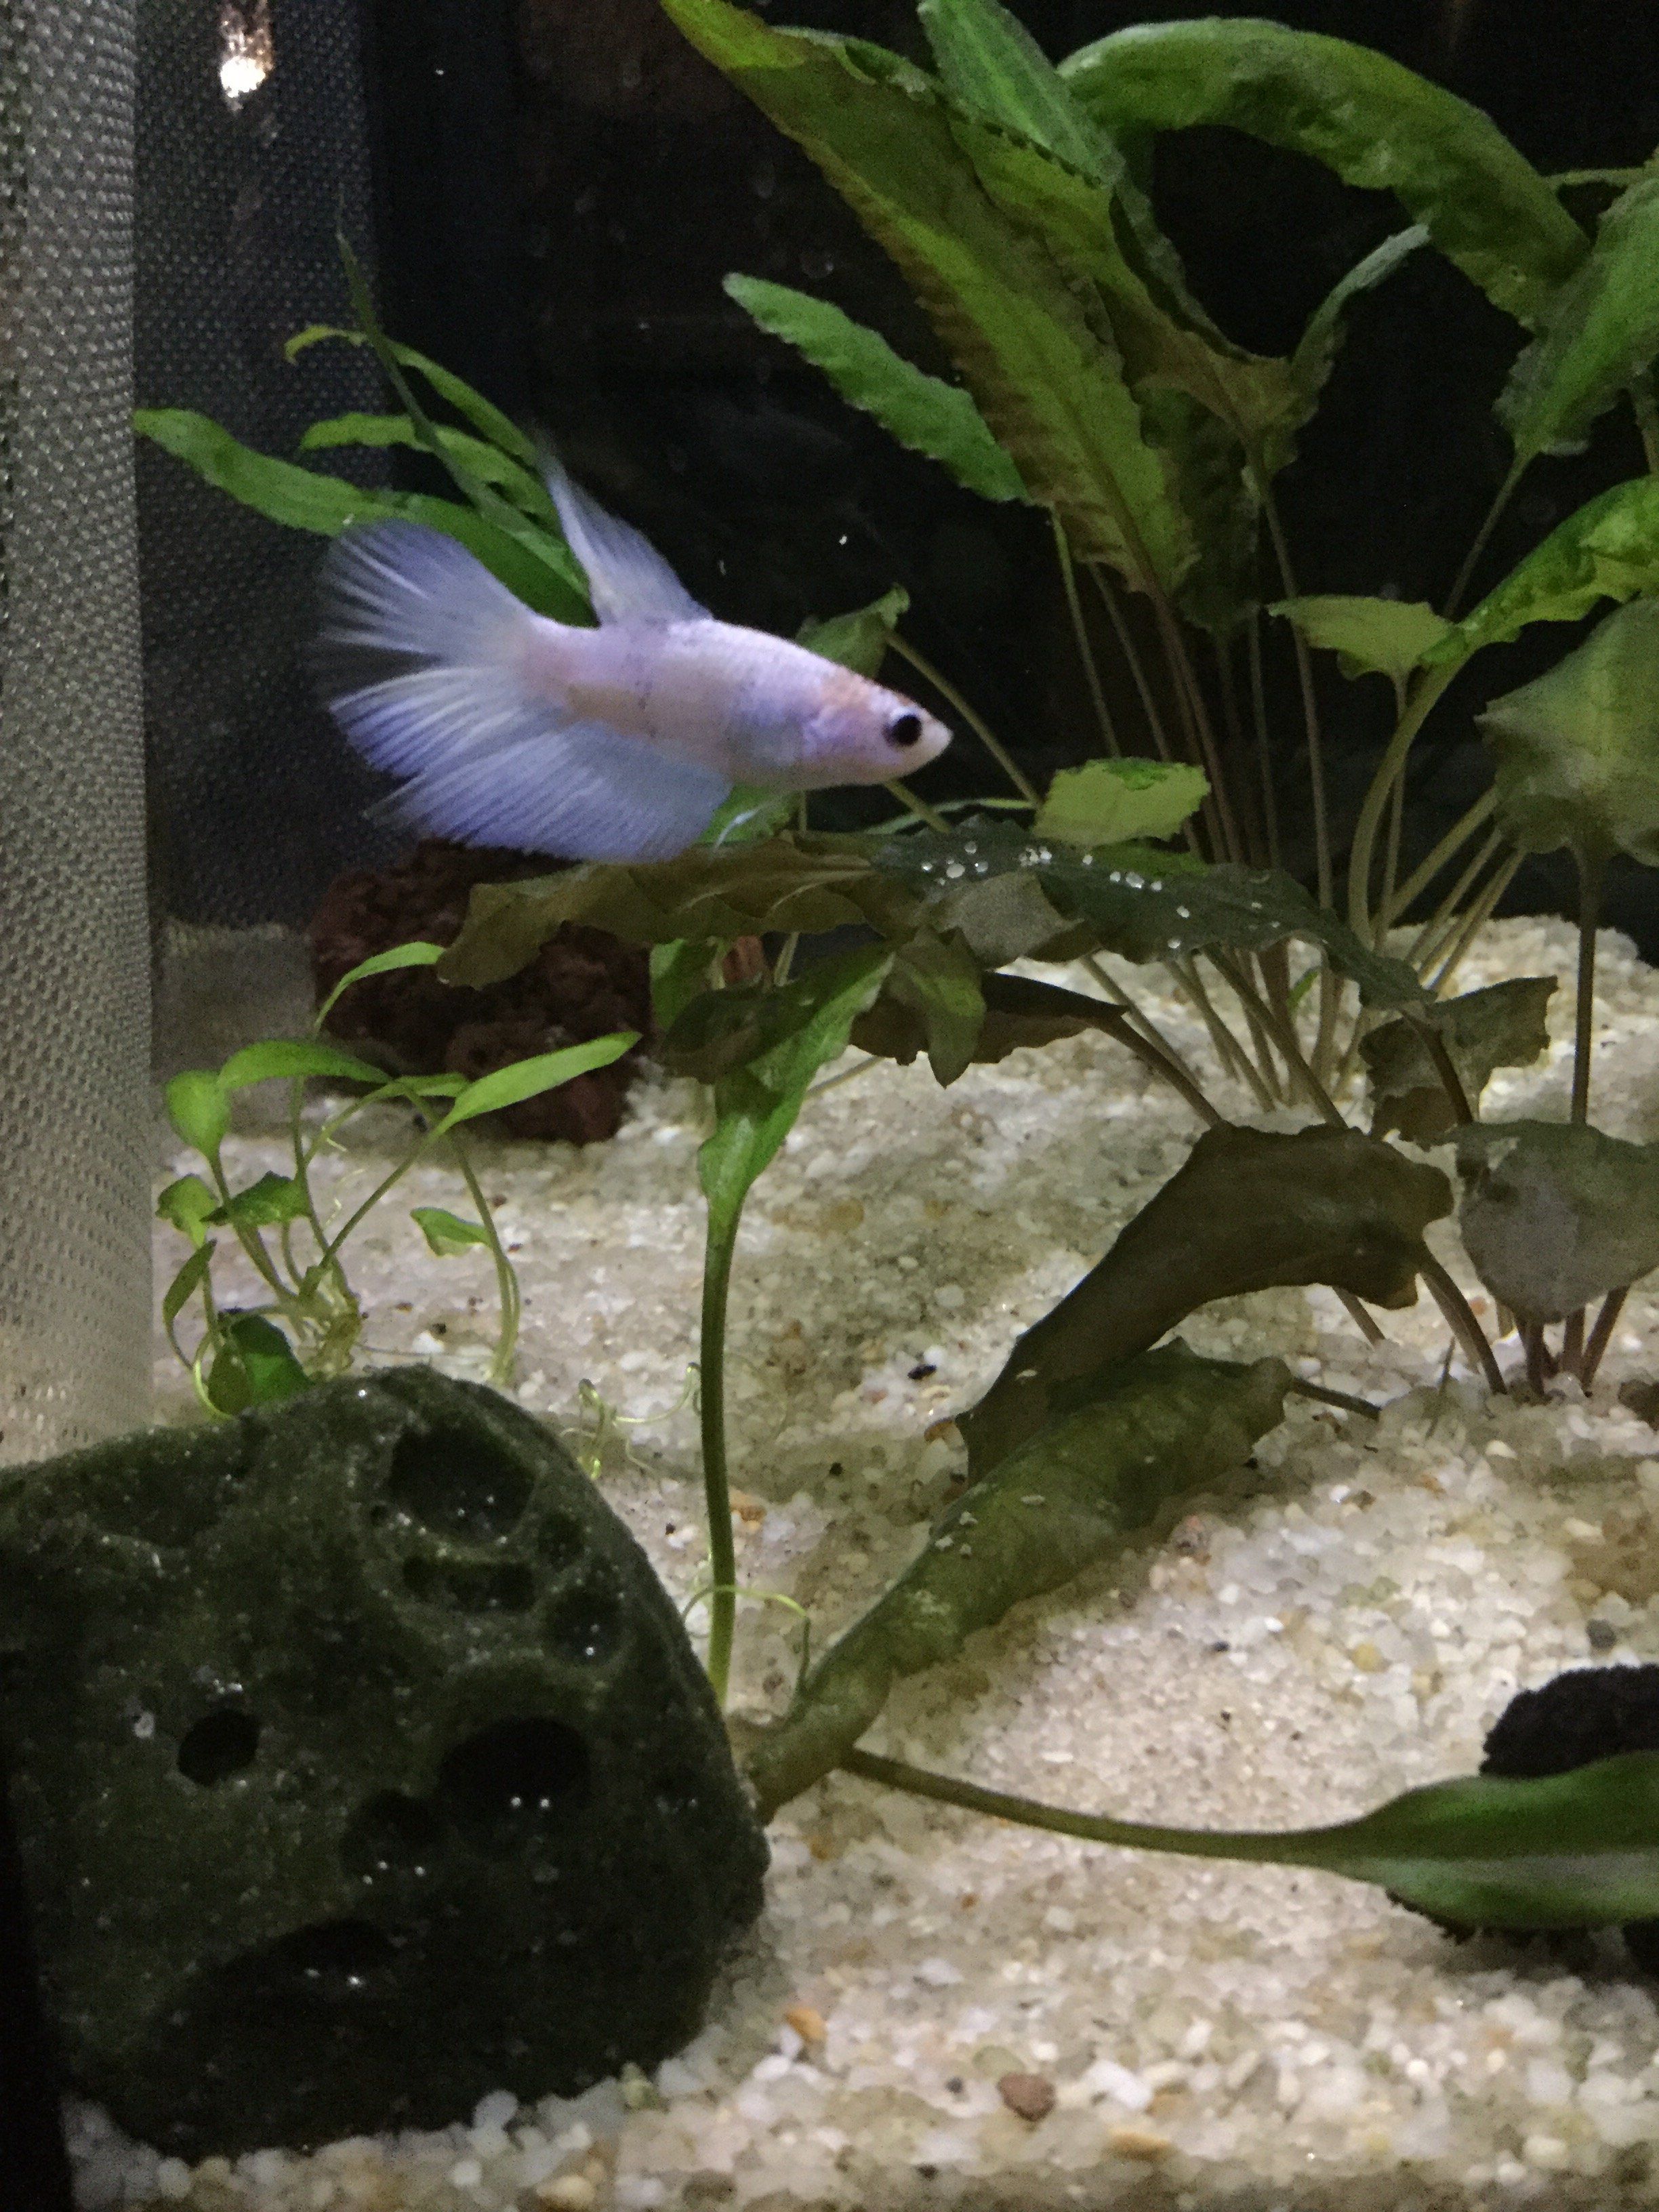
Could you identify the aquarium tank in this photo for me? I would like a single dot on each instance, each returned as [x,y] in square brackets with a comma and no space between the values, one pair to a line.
[829,1106]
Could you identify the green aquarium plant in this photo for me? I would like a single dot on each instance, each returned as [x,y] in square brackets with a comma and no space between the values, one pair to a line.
[309,1322]
[1091,384]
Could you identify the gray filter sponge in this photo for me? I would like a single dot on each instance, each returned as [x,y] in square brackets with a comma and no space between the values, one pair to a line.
[360,1765]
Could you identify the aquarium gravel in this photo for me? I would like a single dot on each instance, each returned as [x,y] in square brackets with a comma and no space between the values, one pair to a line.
[936,2009]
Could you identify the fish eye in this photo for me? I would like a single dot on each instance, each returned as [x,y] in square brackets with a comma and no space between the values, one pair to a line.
[905,729]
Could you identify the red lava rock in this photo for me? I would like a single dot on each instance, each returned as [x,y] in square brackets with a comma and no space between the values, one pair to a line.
[1030,2095]
[584,983]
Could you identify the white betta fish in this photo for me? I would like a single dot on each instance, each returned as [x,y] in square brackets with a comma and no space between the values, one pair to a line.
[614,743]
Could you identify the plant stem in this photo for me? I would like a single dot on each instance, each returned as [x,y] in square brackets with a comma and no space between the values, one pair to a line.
[717,1490]
[1166,1064]
[1143,1021]
[1132,658]
[1079,630]
[1428,689]
[1482,537]
[1317,1390]
[1263,742]
[1592,874]
[1234,1061]
[1572,1342]
[1391,851]
[1435,1045]
[1195,720]
[1601,1336]
[1429,867]
[1438,928]
[1478,915]
[1284,1037]
[1467,1330]
[976,723]
[1305,679]
[506,1278]
[1249,814]
[1539,1364]
[907,800]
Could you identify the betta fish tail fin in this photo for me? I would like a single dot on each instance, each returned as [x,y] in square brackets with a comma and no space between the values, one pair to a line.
[431,667]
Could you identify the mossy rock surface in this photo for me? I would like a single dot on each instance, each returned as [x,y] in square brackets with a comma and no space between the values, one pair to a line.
[361,1765]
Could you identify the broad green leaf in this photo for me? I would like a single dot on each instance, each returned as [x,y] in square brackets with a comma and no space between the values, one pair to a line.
[189,1205]
[1578,748]
[756,1105]
[1602,333]
[939,980]
[1139,902]
[681,971]
[447,1233]
[1248,1210]
[254,1365]
[1376,124]
[274,1198]
[199,1110]
[1162,1427]
[858,641]
[529,1079]
[921,411]
[542,572]
[184,1285]
[1113,802]
[294,1057]
[1218,490]
[1554,1214]
[1044,375]
[747,813]
[1017,1011]
[989,62]
[782,883]
[1317,348]
[525,488]
[1577,1849]
[416,954]
[1608,549]
[1371,637]
[718,1030]
[1505,1025]
[500,429]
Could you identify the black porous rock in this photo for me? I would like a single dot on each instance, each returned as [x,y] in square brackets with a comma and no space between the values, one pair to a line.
[360,1765]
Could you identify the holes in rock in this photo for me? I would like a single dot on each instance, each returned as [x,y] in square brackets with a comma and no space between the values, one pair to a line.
[471,1586]
[457,1482]
[219,1745]
[514,1781]
[560,1541]
[391,1834]
[336,1962]
[585,1621]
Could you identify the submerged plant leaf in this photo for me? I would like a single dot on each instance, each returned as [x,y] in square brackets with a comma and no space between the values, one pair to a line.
[1017,1011]
[1603,331]
[858,641]
[1112,802]
[482,414]
[254,1365]
[1164,1426]
[1555,1214]
[921,411]
[1578,1850]
[529,1079]
[1607,550]
[446,1234]
[1371,637]
[199,1110]
[277,1058]
[264,1204]
[1250,1210]
[1578,748]
[1045,377]
[487,462]
[1321,342]
[1505,1025]
[416,953]
[1376,124]
[1139,903]
[755,1104]
[541,571]
[189,1205]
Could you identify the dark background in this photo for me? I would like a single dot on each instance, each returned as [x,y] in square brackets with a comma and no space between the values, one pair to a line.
[584,182]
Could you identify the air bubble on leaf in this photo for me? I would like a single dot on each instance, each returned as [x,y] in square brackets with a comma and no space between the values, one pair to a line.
[1135,883]
[954,870]
[1116,876]
[1185,912]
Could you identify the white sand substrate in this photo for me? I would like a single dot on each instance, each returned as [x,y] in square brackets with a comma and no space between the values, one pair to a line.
[1344,1623]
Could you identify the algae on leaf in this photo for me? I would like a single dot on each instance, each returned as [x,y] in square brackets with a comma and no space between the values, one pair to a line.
[1250,1209]
[1157,1429]
[1555,1214]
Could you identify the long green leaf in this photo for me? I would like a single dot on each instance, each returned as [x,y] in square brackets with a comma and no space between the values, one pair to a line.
[1317,348]
[1603,331]
[1376,123]
[293,1057]
[1578,1850]
[1167,1424]
[1608,549]
[1045,378]
[546,579]
[485,417]
[921,411]
[529,1079]
[523,486]
[416,953]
